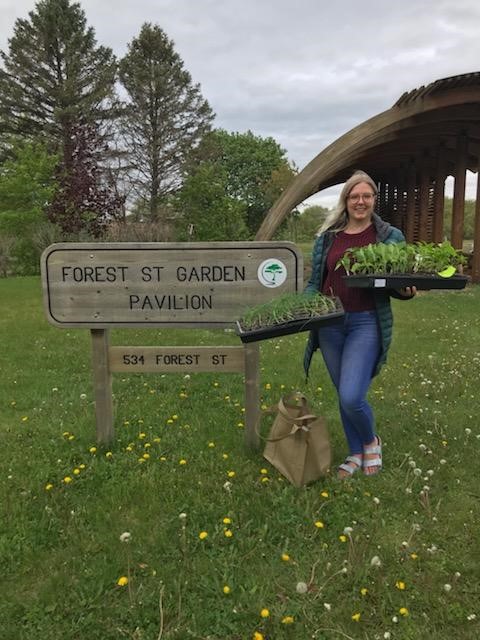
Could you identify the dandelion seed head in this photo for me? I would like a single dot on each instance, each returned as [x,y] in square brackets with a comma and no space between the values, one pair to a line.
[301,587]
[447,587]
[375,562]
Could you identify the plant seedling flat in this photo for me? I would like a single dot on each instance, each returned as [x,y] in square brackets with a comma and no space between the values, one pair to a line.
[423,282]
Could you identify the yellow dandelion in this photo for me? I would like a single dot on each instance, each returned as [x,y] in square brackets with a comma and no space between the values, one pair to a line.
[258,636]
[228,533]
[142,435]
[71,437]
[403,611]
[93,450]
[225,456]
[157,439]
[129,448]
[182,461]
[227,521]
[226,589]
[169,421]
[162,458]
[265,479]
[356,617]
[82,466]
[285,557]
[109,454]
[264,613]
[76,471]
[211,445]
[24,418]
[146,456]
[263,471]
[240,424]
[215,384]
[174,417]
[324,494]
[288,620]
[122,581]
[147,445]
[67,480]
[342,538]
[268,386]
[141,460]
[364,591]
[231,474]
[413,556]
[319,524]
[203,534]
[400,585]
[48,486]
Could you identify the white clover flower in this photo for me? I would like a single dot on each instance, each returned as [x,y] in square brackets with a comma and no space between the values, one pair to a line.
[417,472]
[430,472]
[375,562]
[301,587]
[426,488]
[327,606]
[412,464]
[126,536]
[472,616]
[468,431]
[376,500]
[416,527]
[457,575]
[347,531]
[83,396]
[395,619]
[186,376]
[182,516]
[227,486]
[447,587]
[344,570]
[443,461]
[422,447]
[405,544]
[387,635]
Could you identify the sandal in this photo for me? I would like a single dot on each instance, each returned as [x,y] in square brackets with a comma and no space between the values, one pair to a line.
[350,470]
[376,461]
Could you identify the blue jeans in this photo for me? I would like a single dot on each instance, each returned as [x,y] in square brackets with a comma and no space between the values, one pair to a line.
[350,351]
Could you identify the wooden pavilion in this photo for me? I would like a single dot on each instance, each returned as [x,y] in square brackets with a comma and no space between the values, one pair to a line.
[429,134]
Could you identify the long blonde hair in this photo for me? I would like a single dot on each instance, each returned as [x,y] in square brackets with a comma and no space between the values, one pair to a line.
[337,219]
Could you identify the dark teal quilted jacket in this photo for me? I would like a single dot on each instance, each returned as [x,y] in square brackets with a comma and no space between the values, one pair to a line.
[385,233]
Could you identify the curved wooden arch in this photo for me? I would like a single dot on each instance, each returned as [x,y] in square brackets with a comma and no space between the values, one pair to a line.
[445,116]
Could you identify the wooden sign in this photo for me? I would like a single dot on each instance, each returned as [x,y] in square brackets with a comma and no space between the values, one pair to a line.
[175,359]
[102,285]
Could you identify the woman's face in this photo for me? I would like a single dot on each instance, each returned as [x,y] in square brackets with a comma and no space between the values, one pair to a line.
[361,202]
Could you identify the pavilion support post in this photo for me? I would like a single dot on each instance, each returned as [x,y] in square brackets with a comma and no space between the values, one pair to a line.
[411,200]
[458,209]
[423,226]
[439,196]
[476,233]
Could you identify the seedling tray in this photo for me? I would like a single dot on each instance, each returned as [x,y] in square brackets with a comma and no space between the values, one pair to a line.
[398,281]
[287,328]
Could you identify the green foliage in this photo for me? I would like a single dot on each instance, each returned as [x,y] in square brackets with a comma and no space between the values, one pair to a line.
[255,170]
[205,204]
[468,221]
[61,554]
[309,221]
[26,179]
[288,307]
[54,73]
[401,258]
[165,117]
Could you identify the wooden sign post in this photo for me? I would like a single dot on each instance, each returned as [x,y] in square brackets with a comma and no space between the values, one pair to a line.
[99,286]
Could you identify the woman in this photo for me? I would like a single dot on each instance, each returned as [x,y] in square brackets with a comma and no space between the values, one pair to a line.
[354,350]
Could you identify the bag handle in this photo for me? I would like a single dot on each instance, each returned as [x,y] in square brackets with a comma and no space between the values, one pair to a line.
[282,409]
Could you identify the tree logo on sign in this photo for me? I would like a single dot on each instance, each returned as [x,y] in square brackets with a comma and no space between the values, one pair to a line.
[272,273]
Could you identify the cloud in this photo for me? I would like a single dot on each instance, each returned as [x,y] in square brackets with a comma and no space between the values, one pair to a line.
[303,72]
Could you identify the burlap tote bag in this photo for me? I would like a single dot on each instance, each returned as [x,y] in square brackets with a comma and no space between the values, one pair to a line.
[298,444]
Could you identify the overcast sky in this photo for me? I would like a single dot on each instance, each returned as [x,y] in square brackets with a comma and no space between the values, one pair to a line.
[301,71]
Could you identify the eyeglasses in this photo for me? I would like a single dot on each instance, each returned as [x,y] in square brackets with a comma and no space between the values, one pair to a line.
[366,197]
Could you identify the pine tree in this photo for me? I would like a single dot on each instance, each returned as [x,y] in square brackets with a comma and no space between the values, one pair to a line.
[165,118]
[54,74]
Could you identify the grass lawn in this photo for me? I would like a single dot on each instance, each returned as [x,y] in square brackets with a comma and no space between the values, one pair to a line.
[221,547]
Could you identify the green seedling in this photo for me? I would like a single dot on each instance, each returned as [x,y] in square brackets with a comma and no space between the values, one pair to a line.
[288,307]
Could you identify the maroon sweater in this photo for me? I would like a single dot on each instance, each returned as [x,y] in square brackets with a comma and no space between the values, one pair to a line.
[353,298]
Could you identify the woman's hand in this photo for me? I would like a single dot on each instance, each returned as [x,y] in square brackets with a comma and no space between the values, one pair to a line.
[408,292]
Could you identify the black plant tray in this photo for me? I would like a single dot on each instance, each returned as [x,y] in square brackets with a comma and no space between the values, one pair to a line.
[285,329]
[398,281]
